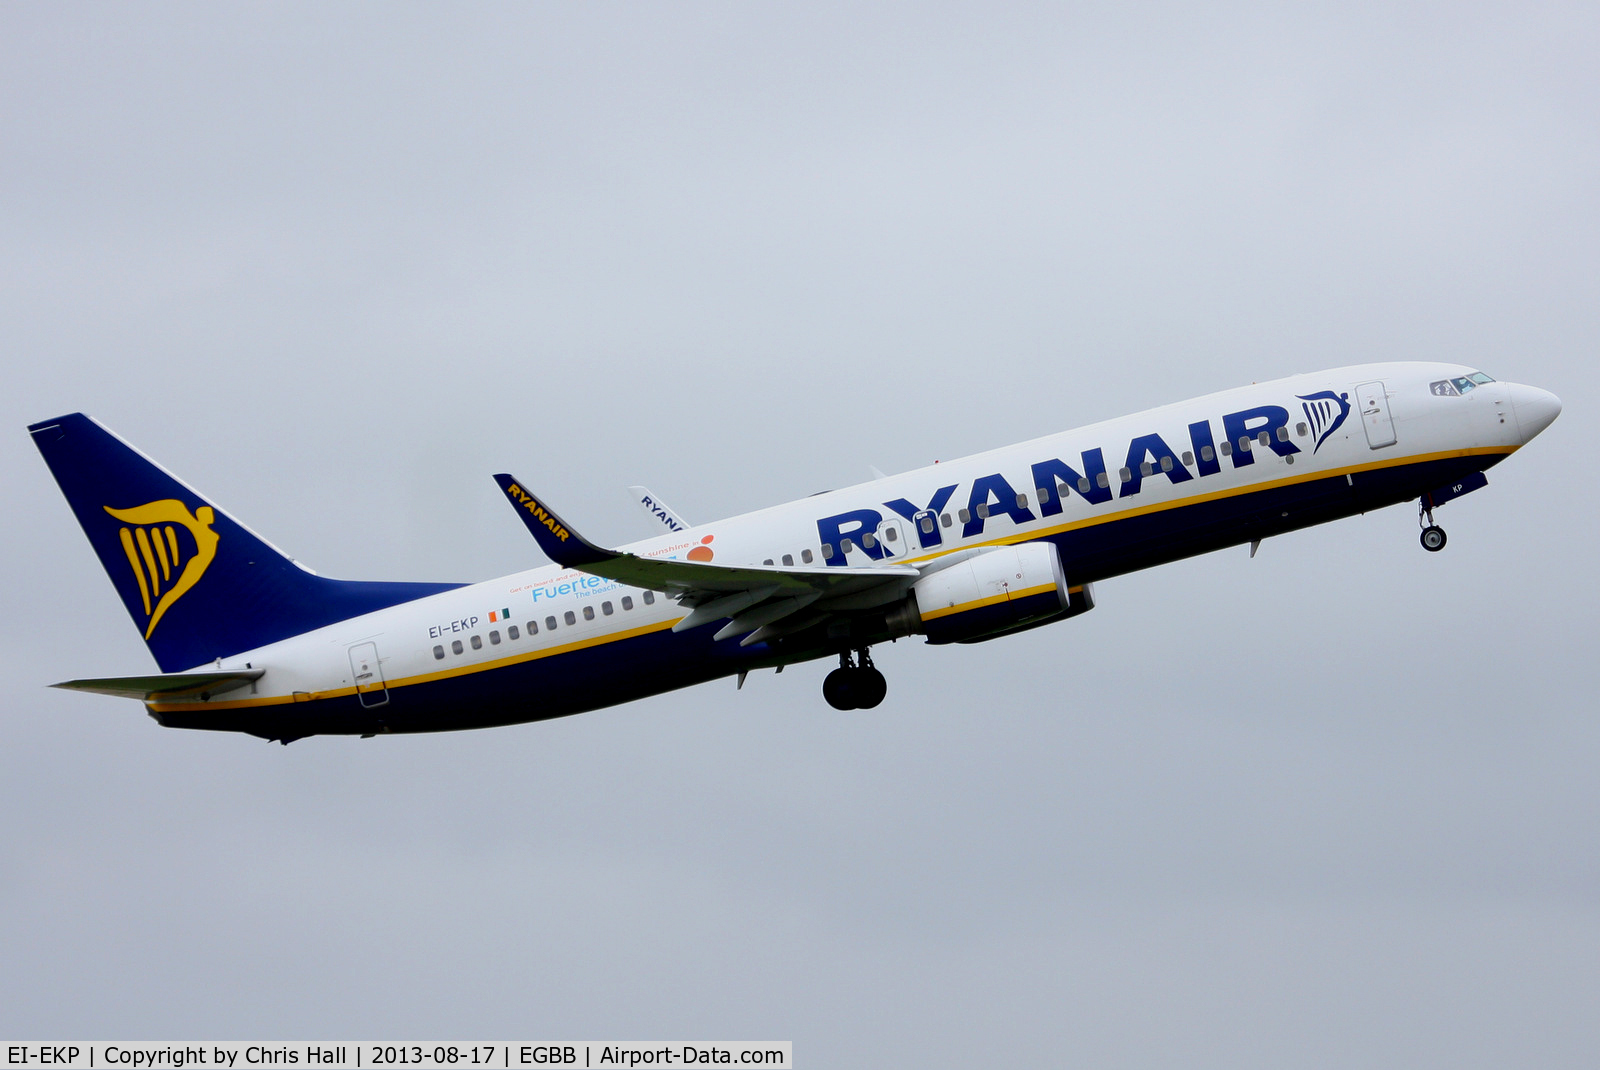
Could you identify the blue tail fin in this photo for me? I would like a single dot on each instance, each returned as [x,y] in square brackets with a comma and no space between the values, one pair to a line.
[198,584]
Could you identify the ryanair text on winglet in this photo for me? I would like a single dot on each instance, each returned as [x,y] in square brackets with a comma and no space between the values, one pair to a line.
[524,499]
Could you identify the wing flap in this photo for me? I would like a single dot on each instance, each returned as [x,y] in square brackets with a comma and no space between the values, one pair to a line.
[743,592]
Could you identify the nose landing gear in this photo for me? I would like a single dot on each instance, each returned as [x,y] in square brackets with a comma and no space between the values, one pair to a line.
[1433,537]
[855,685]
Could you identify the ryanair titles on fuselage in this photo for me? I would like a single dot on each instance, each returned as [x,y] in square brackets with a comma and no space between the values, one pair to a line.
[990,495]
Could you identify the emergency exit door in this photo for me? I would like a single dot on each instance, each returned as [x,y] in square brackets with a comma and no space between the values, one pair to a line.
[891,536]
[368,674]
[1374,401]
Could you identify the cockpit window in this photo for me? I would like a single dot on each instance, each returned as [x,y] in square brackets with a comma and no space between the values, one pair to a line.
[1450,388]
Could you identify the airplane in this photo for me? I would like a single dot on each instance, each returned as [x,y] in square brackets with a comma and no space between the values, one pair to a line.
[963,551]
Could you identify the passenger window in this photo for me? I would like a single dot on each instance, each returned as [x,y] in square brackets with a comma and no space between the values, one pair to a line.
[627,601]
[868,541]
[1022,501]
[1188,458]
[983,511]
[512,633]
[588,613]
[649,598]
[926,525]
[944,518]
[1301,429]
[455,646]
[1043,493]
[788,559]
[1102,479]
[533,627]
[1264,438]
[550,624]
[494,638]
[570,617]
[805,555]
[605,607]
[438,653]
[966,517]
[1283,434]
[477,642]
[827,551]
[1126,474]
[845,546]
[1244,443]
[768,561]
[1207,453]
[1083,484]
[1226,448]
[891,535]
[1166,464]
[1145,468]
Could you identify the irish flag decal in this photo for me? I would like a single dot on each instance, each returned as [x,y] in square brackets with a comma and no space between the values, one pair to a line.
[504,614]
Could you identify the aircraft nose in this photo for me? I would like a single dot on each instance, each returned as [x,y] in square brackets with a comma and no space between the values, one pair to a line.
[1536,409]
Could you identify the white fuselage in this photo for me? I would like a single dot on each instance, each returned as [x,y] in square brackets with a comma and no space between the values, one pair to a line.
[1120,494]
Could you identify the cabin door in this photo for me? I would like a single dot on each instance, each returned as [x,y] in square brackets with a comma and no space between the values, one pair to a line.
[1375,416]
[367,671]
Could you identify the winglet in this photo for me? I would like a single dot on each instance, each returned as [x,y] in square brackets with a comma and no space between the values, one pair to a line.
[555,537]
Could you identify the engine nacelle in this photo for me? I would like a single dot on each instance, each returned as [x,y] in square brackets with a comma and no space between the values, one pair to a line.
[1001,590]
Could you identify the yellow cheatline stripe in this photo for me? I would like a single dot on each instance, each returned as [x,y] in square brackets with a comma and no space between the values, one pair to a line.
[1217,495]
[1029,536]
[149,559]
[138,570]
[423,678]
[965,607]
[992,600]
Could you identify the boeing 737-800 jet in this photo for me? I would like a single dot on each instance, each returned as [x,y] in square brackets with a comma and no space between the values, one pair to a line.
[960,552]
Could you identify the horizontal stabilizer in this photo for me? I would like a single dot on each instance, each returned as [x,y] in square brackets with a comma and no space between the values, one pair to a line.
[167,685]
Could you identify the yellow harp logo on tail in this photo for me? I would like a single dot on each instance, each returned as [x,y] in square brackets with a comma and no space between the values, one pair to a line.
[165,568]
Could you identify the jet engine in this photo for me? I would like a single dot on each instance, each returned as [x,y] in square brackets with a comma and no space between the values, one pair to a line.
[992,593]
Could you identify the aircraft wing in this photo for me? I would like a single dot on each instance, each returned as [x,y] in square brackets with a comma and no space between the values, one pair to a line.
[762,600]
[659,512]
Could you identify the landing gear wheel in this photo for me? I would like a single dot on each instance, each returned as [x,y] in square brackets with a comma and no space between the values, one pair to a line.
[838,687]
[1432,534]
[869,686]
[855,684]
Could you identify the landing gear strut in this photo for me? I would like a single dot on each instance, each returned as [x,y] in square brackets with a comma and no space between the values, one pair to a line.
[856,684]
[1433,538]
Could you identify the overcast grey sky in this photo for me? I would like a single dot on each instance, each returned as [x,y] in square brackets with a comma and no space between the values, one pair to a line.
[335,265]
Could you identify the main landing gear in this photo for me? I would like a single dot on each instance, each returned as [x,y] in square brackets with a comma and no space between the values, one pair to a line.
[854,685]
[1433,538]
